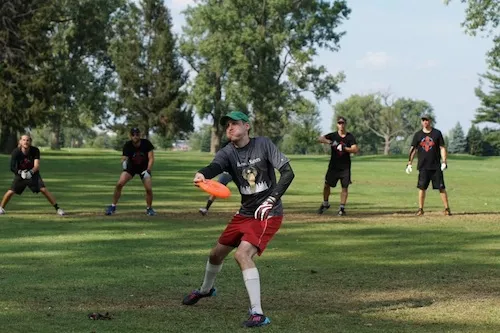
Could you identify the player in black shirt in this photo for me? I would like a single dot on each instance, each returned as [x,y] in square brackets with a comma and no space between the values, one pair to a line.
[429,144]
[137,159]
[251,162]
[25,164]
[342,144]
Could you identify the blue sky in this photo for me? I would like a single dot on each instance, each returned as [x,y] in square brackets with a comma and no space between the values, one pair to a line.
[410,48]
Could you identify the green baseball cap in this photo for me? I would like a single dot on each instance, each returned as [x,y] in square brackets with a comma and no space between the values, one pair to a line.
[234,115]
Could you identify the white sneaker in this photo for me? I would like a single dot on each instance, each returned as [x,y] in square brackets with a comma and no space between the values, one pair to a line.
[60,212]
[2,211]
[203,211]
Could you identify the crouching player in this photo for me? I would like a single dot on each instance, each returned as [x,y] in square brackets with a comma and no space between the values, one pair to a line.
[137,159]
[25,164]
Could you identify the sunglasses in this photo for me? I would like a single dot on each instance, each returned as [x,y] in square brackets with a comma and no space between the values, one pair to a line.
[341,122]
[425,119]
[135,134]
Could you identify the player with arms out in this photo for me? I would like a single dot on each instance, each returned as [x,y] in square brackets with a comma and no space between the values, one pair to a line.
[137,159]
[25,164]
[432,154]
[342,144]
[251,162]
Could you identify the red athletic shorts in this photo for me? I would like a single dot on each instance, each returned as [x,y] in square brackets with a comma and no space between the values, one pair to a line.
[244,228]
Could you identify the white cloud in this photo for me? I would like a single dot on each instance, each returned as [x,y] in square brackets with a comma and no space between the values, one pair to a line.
[374,60]
[429,63]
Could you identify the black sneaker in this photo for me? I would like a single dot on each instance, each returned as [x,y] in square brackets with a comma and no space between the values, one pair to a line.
[256,320]
[195,296]
[420,212]
[322,208]
[341,212]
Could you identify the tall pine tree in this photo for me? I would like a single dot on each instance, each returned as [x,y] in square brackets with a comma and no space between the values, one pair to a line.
[457,142]
[475,141]
[489,111]
[150,78]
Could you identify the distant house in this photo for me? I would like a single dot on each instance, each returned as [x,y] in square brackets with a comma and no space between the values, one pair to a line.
[181,145]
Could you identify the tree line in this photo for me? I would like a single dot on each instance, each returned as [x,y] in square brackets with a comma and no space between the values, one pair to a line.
[68,68]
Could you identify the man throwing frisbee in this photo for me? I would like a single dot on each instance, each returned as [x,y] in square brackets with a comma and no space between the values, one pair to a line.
[251,162]
[342,144]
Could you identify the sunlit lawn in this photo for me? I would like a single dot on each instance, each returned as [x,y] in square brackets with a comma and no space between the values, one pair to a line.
[379,269]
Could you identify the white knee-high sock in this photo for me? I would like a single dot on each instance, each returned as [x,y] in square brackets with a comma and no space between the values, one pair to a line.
[209,279]
[252,282]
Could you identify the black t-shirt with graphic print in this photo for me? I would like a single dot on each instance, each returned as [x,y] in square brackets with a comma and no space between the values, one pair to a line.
[428,148]
[138,156]
[21,161]
[252,169]
[340,160]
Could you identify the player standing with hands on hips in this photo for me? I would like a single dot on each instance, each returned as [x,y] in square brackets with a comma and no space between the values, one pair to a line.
[342,144]
[25,164]
[432,154]
[137,159]
[251,162]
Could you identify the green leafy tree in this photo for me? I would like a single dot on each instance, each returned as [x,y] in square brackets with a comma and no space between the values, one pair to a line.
[79,66]
[53,63]
[24,48]
[150,78]
[377,118]
[275,60]
[489,111]
[483,17]
[303,130]
[205,139]
[207,47]
[354,108]
[257,56]
[491,138]
[411,112]
[456,143]
[475,141]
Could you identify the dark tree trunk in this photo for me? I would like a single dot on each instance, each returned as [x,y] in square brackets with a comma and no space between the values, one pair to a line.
[8,139]
[217,131]
[55,140]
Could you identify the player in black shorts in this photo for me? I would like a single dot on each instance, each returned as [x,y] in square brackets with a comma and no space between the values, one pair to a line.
[342,144]
[25,164]
[137,159]
[429,144]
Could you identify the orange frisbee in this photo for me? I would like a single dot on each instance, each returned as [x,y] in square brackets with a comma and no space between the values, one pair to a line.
[215,188]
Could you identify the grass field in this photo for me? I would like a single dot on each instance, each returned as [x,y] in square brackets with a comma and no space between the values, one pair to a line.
[380,269]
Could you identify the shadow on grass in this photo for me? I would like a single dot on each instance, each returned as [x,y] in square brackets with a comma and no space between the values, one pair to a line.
[140,269]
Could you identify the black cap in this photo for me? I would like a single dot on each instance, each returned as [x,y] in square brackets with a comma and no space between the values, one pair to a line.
[135,130]
[427,117]
[340,118]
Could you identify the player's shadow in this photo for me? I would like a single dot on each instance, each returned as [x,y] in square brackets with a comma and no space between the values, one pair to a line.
[397,304]
[475,213]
